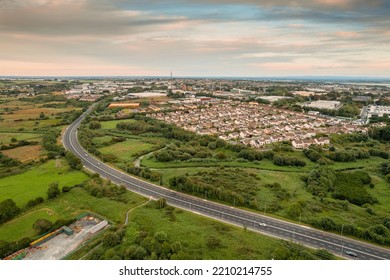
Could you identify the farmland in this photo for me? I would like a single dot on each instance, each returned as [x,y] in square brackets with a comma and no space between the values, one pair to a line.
[25,154]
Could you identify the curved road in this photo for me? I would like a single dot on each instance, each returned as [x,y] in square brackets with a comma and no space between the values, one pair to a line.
[270,226]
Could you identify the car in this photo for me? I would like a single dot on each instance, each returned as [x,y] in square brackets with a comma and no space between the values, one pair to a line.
[86,155]
[98,163]
[351,253]
[263,224]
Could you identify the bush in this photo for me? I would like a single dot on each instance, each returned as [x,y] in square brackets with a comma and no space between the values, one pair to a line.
[213,242]
[351,187]
[73,161]
[7,248]
[378,153]
[53,190]
[94,125]
[164,156]
[34,202]
[321,180]
[328,223]
[111,240]
[66,189]
[311,154]
[8,210]
[42,226]
[288,161]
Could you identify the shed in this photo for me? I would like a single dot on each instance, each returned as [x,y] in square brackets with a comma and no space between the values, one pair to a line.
[68,231]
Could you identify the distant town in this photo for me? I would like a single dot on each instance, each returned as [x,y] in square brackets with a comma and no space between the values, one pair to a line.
[255,113]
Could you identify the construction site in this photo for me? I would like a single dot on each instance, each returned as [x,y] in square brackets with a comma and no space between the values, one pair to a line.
[61,242]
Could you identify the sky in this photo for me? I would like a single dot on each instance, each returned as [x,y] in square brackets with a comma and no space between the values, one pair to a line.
[247,38]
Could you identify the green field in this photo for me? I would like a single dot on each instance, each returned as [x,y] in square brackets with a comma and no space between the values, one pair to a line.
[34,182]
[112,124]
[131,148]
[78,201]
[198,237]
[193,230]
[5,137]
[68,206]
[22,226]
[264,164]
[360,163]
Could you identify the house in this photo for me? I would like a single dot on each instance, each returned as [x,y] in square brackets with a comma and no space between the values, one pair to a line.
[297,144]
[323,141]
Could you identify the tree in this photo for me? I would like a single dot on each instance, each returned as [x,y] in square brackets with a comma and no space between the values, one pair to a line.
[164,157]
[111,239]
[8,210]
[42,116]
[73,161]
[382,134]
[328,223]
[94,125]
[220,156]
[53,190]
[160,236]
[42,226]
[321,180]
[175,247]
[34,202]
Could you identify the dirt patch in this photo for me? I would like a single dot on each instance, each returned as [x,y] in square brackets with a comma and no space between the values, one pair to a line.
[25,153]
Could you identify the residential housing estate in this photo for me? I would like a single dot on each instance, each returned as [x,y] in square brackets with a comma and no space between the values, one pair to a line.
[256,124]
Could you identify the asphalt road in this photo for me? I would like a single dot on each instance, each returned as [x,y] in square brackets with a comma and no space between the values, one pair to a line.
[334,243]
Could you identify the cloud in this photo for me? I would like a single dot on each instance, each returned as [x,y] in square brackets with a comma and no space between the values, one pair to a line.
[69,18]
[193,37]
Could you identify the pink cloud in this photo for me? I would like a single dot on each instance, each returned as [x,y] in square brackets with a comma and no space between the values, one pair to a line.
[348,34]
[336,3]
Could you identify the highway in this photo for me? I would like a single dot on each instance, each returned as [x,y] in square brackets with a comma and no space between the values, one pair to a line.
[307,236]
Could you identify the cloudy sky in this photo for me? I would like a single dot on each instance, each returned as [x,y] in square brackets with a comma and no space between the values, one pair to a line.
[252,38]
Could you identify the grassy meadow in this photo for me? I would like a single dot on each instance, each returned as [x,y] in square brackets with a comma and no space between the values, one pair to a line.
[34,182]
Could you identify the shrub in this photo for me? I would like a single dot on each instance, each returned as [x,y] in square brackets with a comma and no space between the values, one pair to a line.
[42,226]
[8,210]
[34,202]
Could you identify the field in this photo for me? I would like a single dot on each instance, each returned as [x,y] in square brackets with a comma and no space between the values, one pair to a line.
[192,231]
[25,153]
[68,206]
[194,237]
[265,164]
[22,226]
[131,148]
[112,124]
[34,182]
[5,137]
[24,116]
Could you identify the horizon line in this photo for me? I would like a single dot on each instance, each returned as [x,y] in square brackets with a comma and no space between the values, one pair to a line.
[194,76]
